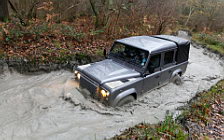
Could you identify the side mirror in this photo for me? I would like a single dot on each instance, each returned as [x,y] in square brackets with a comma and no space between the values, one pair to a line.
[105,53]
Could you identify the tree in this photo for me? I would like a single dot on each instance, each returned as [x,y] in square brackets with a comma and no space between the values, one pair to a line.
[204,14]
[191,5]
[162,12]
[4,12]
[101,10]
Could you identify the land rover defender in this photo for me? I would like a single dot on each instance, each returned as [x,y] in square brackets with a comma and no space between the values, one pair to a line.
[134,66]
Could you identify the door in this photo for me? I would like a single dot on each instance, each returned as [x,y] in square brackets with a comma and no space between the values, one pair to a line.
[168,65]
[152,76]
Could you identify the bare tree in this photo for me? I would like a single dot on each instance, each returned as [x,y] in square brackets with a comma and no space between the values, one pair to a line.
[4,12]
[191,5]
[163,12]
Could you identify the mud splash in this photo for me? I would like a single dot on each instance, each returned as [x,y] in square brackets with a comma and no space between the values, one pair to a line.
[48,107]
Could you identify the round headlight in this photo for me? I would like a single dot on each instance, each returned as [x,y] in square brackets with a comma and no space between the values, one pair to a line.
[104,93]
[78,76]
[76,72]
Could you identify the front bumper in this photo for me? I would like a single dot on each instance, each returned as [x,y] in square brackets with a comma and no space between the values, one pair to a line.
[90,88]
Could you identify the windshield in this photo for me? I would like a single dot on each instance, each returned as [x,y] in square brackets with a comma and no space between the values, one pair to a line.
[132,55]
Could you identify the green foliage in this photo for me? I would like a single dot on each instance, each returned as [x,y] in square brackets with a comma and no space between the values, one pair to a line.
[68,30]
[44,28]
[217,48]
[57,44]
[99,53]
[212,42]
[81,56]
[6,19]
[171,129]
[168,129]
[50,42]
[96,32]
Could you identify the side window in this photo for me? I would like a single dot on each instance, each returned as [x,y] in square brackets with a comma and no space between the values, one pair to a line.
[168,57]
[154,63]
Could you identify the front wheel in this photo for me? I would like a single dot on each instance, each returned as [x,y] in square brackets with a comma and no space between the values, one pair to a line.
[125,100]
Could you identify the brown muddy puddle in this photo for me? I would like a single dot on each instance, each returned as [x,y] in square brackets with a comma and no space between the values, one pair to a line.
[32,107]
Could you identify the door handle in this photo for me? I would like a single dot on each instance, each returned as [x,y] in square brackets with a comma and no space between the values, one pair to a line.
[157,76]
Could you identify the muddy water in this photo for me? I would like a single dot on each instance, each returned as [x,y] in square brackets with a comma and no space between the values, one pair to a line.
[32,107]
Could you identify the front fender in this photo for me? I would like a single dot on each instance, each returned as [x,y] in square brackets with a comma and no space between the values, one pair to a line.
[122,95]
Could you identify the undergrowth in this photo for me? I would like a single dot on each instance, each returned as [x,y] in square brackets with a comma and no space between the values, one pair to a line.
[213,42]
[168,129]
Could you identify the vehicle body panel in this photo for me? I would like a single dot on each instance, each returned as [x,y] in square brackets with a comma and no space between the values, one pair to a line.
[151,81]
[109,70]
[148,43]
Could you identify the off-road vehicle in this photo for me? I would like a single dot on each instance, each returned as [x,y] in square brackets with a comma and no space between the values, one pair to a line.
[134,66]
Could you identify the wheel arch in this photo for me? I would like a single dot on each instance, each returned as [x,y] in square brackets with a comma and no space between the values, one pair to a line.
[177,71]
[124,94]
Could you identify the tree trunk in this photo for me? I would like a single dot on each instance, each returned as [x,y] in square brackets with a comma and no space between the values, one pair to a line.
[189,16]
[101,12]
[95,11]
[4,12]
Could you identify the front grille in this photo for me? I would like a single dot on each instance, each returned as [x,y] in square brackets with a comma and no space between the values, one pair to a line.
[88,84]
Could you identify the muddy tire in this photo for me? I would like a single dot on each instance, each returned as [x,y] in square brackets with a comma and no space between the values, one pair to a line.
[177,79]
[125,100]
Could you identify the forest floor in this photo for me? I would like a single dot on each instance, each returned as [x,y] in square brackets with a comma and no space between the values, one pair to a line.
[45,42]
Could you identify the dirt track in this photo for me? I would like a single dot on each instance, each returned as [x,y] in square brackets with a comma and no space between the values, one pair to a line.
[32,107]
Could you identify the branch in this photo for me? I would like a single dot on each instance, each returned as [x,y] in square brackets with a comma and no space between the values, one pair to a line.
[13,7]
[35,3]
[93,8]
[18,15]
[69,8]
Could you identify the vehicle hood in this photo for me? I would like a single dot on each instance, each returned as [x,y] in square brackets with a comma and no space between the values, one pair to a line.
[108,71]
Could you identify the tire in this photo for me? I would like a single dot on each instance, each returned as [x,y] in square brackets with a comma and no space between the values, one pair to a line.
[177,79]
[125,100]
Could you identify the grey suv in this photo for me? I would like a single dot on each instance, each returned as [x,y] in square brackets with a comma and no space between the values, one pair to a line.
[134,66]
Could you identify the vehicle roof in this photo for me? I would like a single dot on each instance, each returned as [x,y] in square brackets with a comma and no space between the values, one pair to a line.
[153,44]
